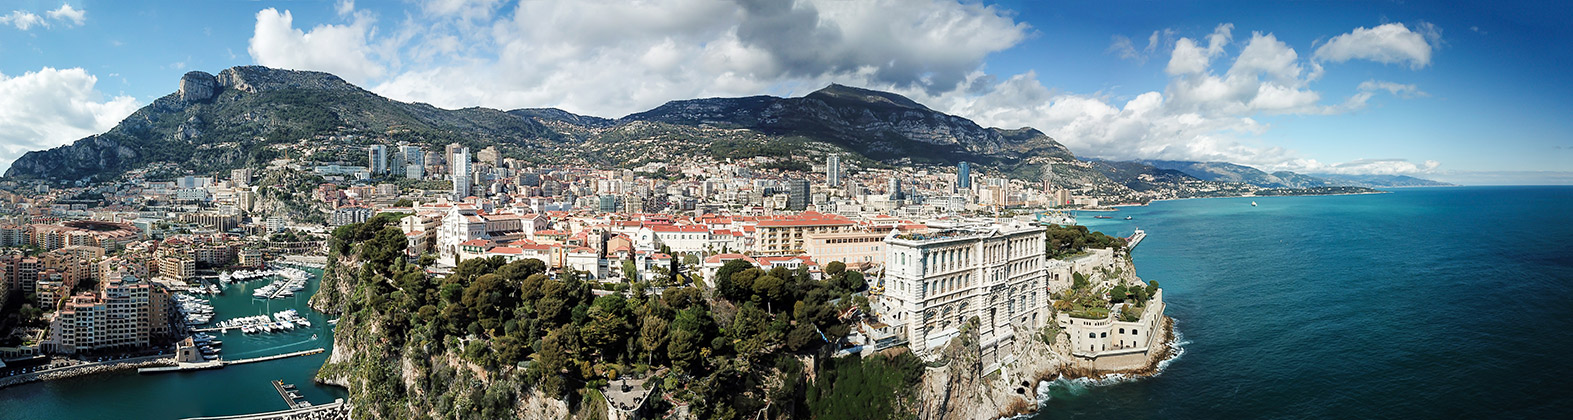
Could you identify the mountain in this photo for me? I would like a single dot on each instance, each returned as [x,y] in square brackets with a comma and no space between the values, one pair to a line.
[882,126]
[1383,181]
[1229,172]
[246,116]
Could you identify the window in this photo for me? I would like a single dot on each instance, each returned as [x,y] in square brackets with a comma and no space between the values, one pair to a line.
[1133,332]
[1105,335]
[1092,335]
[1122,331]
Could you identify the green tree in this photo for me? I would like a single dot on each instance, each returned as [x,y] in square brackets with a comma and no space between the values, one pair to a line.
[652,336]
[1117,294]
[629,272]
[834,268]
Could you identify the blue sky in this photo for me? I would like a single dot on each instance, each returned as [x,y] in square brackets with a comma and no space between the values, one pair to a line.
[1472,93]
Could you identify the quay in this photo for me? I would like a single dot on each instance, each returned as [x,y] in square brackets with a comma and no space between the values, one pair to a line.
[222,363]
[338,409]
[287,392]
[1136,238]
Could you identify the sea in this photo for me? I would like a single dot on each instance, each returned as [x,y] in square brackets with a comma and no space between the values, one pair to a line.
[238,389]
[1418,303]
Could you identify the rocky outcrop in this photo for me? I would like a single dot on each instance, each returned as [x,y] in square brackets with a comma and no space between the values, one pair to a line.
[84,158]
[197,86]
[255,79]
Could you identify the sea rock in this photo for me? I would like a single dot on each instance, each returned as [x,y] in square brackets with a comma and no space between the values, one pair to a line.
[198,86]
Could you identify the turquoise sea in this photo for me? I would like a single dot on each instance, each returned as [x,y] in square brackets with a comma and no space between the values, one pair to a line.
[232,390]
[1420,303]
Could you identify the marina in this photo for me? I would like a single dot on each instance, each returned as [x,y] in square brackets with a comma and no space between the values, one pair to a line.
[249,363]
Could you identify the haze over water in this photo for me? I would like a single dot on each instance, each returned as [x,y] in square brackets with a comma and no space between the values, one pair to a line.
[1422,303]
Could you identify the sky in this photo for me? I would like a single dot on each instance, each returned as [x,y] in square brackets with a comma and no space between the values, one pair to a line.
[1472,93]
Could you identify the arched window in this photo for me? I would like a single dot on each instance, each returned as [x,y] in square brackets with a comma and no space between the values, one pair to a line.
[1105,335]
[1122,331]
[1092,335]
[1133,332]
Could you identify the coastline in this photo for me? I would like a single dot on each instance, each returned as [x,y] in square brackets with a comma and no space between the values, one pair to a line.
[88,369]
[1252,196]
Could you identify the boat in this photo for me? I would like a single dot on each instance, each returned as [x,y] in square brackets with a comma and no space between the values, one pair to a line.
[1103,217]
[1253,204]
[1127,218]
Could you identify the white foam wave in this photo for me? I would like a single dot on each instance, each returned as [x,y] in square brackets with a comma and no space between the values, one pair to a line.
[1079,386]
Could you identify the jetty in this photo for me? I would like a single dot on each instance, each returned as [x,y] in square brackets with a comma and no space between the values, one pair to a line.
[338,409]
[1136,238]
[216,364]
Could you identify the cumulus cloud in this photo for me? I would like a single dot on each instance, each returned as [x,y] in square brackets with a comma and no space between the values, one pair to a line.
[1372,167]
[68,14]
[23,20]
[339,49]
[1391,43]
[1208,111]
[51,107]
[612,58]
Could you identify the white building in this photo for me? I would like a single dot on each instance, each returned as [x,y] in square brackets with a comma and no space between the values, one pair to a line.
[378,156]
[461,173]
[935,282]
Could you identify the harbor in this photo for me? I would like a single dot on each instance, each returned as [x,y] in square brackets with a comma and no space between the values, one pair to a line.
[248,363]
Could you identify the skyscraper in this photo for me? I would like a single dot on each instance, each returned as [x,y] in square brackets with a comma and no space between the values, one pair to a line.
[964,176]
[461,173]
[797,195]
[378,155]
[895,189]
[833,170]
[414,162]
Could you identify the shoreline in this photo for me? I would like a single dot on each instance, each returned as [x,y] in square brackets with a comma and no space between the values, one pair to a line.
[1249,196]
[1155,360]
[88,369]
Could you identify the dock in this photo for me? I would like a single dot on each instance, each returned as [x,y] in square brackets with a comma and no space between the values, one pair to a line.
[338,409]
[1136,238]
[216,364]
[289,394]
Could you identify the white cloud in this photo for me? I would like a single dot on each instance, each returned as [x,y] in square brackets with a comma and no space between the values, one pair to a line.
[1391,43]
[23,20]
[1398,89]
[612,58]
[1367,167]
[339,49]
[1201,115]
[50,107]
[345,8]
[467,9]
[67,13]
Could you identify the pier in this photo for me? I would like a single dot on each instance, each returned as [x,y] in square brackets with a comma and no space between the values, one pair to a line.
[338,409]
[1136,238]
[222,363]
